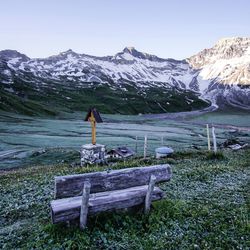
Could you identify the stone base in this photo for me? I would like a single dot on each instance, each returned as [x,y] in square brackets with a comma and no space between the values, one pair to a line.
[92,154]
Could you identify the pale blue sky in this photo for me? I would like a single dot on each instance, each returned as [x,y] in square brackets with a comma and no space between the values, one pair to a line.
[177,28]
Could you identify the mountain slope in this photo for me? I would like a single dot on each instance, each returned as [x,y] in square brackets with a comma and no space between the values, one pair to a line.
[224,72]
[128,82]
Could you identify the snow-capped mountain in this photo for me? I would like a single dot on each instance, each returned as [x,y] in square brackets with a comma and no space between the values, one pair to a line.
[220,74]
[130,64]
[228,61]
[224,71]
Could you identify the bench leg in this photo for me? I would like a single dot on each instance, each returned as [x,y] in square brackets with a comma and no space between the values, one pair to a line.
[84,205]
[148,198]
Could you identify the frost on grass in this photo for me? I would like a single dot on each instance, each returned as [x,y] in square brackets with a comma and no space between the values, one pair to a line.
[205,207]
[223,188]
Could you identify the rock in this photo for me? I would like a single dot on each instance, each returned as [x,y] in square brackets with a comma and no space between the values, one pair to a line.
[39,152]
[229,142]
[234,144]
[237,146]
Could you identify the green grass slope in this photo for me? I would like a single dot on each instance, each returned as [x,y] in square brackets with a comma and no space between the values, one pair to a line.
[207,207]
[52,98]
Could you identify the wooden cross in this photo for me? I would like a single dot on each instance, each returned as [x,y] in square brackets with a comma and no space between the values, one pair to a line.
[93,127]
[93,116]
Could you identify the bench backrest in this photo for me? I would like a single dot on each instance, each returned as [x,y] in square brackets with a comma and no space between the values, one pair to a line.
[72,185]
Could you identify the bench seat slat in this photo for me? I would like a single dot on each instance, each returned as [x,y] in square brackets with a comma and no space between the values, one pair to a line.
[67,209]
[72,185]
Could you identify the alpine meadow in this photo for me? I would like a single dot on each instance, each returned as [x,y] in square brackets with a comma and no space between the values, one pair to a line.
[124,125]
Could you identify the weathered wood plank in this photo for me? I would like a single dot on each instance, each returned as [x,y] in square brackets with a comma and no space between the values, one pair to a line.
[72,185]
[84,205]
[69,208]
[150,190]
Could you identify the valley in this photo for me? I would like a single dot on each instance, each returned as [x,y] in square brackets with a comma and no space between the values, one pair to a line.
[42,101]
[28,141]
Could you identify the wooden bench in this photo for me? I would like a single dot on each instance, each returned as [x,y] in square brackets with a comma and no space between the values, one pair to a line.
[76,196]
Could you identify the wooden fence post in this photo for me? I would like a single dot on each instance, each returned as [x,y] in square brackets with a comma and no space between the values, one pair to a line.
[214,140]
[145,146]
[84,205]
[136,141]
[208,139]
[150,190]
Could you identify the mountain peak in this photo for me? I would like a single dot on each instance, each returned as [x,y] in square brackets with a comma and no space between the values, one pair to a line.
[129,50]
[69,51]
[9,54]
[134,52]
[233,40]
[224,49]
[131,53]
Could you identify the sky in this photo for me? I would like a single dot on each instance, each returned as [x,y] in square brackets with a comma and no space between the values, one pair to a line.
[166,28]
